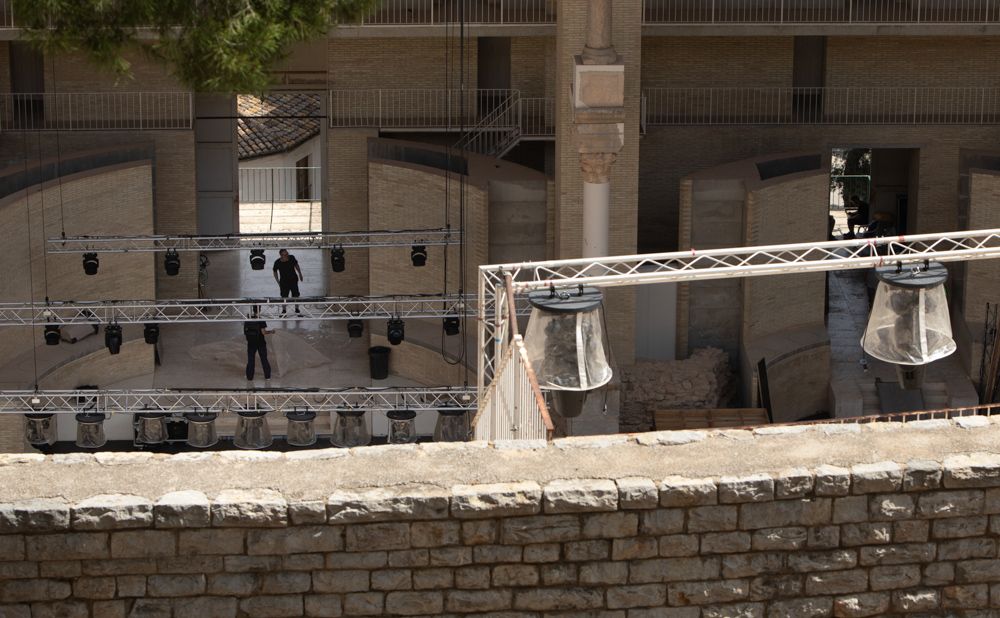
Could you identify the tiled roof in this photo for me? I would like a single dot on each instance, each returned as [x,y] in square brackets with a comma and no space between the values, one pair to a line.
[277,123]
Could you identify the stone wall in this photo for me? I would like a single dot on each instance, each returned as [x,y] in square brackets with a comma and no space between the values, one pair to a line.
[903,520]
[703,380]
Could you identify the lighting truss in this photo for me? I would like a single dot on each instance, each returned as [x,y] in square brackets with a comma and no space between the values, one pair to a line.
[300,240]
[218,400]
[239,309]
[695,265]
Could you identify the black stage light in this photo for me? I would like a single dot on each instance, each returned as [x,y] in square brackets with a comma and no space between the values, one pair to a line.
[90,263]
[418,255]
[113,338]
[257,259]
[355,328]
[172,263]
[452,326]
[53,334]
[395,331]
[337,261]
[151,333]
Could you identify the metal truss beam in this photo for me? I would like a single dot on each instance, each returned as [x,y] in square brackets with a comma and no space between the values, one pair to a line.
[219,400]
[240,310]
[300,240]
[695,265]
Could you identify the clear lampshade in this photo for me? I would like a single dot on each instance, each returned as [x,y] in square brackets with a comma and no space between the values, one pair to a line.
[350,428]
[90,430]
[40,429]
[909,322]
[301,428]
[402,428]
[201,429]
[565,339]
[452,425]
[150,428]
[252,430]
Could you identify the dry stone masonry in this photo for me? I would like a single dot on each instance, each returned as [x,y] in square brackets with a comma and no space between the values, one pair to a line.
[906,537]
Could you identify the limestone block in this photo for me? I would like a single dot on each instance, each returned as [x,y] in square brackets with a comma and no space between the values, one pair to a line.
[610,525]
[475,578]
[555,599]
[951,503]
[707,592]
[364,603]
[210,541]
[580,496]
[257,508]
[143,544]
[496,500]
[175,585]
[59,568]
[967,597]
[465,601]
[496,554]
[296,540]
[802,608]
[94,587]
[576,551]
[748,565]
[637,493]
[895,577]
[251,564]
[388,504]
[662,521]
[232,584]
[543,552]
[974,571]
[891,506]
[785,513]
[678,545]
[435,533]
[357,560]
[915,600]
[853,535]
[392,579]
[752,488]
[63,609]
[433,579]
[958,527]
[289,605]
[682,491]
[832,481]
[113,458]
[307,512]
[921,475]
[12,547]
[371,537]
[860,605]
[200,607]
[883,476]
[68,546]
[645,595]
[134,566]
[712,518]
[734,610]
[37,515]
[965,549]
[850,509]
[540,529]
[939,573]
[974,470]
[285,582]
[559,574]
[804,562]
[450,556]
[793,483]
[903,553]
[634,548]
[109,511]
[18,569]
[915,531]
[340,581]
[414,603]
[480,532]
[669,438]
[674,569]
[13,459]
[411,557]
[725,542]
[182,509]
[508,575]
[151,608]
[837,582]
[823,537]
[303,562]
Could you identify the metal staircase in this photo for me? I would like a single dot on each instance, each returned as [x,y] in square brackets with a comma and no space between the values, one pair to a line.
[498,132]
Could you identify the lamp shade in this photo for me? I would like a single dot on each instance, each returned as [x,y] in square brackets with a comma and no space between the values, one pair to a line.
[90,430]
[402,429]
[301,428]
[252,430]
[452,425]
[201,429]
[40,429]
[150,427]
[350,428]
[909,322]
[565,339]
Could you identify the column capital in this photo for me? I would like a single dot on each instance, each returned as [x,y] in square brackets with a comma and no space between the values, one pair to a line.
[596,166]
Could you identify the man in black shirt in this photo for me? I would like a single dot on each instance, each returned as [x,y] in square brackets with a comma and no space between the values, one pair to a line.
[857,215]
[286,267]
[257,345]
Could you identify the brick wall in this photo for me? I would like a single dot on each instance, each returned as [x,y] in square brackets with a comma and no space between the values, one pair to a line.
[864,537]
[912,61]
[396,62]
[532,65]
[685,62]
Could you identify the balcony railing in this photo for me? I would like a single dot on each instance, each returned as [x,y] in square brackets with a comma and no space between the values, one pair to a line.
[788,12]
[413,108]
[901,105]
[95,111]
[537,117]
[280,184]
[436,12]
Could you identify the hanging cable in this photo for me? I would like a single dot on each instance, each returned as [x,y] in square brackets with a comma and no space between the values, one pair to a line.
[31,266]
[62,217]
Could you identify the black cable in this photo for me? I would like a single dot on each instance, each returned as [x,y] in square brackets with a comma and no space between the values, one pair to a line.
[31,266]
[62,217]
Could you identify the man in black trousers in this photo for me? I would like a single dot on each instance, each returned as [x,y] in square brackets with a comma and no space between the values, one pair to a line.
[257,345]
[288,274]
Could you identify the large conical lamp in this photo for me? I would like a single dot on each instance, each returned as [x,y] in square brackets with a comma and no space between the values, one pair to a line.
[909,325]
[565,339]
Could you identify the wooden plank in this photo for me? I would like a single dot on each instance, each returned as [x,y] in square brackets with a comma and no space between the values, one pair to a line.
[704,418]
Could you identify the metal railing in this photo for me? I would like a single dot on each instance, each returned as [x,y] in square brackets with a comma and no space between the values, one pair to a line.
[537,117]
[836,105]
[435,12]
[280,184]
[412,108]
[95,111]
[497,132]
[821,12]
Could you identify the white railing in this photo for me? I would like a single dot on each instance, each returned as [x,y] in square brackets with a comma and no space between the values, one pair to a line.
[95,111]
[434,12]
[862,105]
[412,108]
[6,15]
[497,132]
[280,184]
[537,117]
[821,12]
[513,407]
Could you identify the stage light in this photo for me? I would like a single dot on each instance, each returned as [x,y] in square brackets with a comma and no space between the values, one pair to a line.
[402,429]
[151,333]
[257,259]
[150,427]
[90,430]
[301,428]
[252,430]
[418,255]
[452,424]
[90,263]
[40,429]
[350,428]
[172,263]
[395,331]
[53,334]
[337,261]
[452,325]
[113,338]
[355,328]
[201,429]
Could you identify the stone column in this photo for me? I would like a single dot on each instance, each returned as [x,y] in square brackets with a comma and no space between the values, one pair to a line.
[596,168]
[599,48]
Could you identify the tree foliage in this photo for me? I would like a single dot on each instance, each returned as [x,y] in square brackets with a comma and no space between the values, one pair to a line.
[210,45]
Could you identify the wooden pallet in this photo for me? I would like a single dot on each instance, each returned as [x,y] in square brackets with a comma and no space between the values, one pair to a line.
[691,418]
